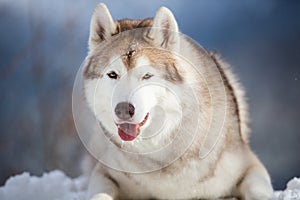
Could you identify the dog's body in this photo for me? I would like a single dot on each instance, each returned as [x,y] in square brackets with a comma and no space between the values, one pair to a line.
[136,78]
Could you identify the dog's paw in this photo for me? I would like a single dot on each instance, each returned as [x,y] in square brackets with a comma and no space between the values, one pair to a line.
[258,194]
[101,196]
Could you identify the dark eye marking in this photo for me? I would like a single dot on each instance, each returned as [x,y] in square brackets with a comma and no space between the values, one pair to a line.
[147,76]
[113,75]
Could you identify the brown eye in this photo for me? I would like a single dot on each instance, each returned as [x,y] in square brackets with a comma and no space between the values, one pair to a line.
[113,75]
[147,76]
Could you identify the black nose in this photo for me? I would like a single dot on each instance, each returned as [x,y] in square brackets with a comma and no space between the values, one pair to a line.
[124,110]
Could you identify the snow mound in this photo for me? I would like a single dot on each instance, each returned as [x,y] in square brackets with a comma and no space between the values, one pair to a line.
[292,192]
[56,185]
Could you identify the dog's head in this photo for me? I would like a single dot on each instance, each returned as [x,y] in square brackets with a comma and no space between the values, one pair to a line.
[132,76]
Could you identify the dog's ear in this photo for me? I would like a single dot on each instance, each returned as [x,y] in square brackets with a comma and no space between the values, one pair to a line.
[164,30]
[102,26]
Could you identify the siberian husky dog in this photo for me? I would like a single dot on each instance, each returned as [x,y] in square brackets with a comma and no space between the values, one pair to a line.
[173,115]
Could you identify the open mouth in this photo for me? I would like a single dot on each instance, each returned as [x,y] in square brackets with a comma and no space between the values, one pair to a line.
[128,131]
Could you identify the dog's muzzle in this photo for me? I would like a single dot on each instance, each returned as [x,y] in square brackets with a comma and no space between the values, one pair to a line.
[128,131]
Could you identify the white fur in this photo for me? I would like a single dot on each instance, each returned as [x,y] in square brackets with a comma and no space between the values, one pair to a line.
[101,20]
[199,110]
[104,94]
[165,29]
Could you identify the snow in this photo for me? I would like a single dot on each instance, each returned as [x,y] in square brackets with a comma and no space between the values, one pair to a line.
[56,185]
[292,192]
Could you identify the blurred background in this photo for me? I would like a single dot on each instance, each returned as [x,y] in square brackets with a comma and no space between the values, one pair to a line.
[42,44]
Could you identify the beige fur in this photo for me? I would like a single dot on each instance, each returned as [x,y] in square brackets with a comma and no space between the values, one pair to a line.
[229,169]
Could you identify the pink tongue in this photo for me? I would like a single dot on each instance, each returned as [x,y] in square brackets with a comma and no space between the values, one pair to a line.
[128,132]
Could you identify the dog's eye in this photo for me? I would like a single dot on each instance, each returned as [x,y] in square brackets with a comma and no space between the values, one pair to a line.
[113,75]
[147,76]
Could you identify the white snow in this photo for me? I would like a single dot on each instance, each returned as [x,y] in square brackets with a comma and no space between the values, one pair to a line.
[56,185]
[292,192]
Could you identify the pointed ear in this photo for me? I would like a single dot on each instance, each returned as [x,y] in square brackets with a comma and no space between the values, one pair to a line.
[102,26]
[164,30]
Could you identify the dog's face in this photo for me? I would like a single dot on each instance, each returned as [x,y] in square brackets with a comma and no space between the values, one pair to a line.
[132,76]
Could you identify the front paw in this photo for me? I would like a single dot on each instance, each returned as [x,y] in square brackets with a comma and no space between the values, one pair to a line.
[259,194]
[101,196]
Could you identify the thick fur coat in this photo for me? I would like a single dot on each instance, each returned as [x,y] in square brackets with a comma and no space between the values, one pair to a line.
[139,73]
